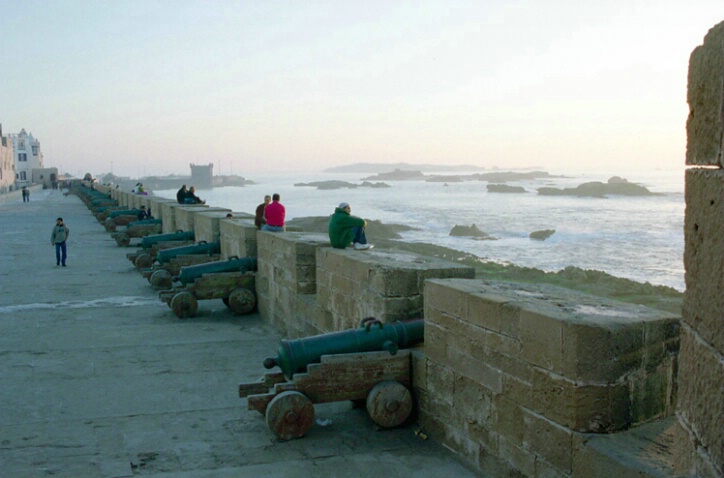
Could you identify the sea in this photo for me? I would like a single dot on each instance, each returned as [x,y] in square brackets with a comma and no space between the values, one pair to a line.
[635,237]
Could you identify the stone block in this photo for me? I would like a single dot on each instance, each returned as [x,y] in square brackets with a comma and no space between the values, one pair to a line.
[238,238]
[548,440]
[705,95]
[701,393]
[704,254]
[185,215]
[207,224]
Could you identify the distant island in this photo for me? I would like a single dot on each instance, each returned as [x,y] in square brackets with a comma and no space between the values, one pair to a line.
[614,186]
[498,176]
[323,185]
[375,167]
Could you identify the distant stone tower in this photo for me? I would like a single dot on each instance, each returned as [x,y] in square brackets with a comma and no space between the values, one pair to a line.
[202,176]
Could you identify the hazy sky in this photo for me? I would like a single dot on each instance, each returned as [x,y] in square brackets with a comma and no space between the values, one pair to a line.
[147,87]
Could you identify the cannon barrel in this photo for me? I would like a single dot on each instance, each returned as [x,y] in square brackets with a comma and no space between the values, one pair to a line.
[145,222]
[201,248]
[189,274]
[150,241]
[293,356]
[124,212]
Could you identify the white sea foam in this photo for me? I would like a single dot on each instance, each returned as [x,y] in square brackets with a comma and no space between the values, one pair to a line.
[639,238]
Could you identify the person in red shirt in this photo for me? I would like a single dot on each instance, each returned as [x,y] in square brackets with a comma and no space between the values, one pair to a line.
[274,215]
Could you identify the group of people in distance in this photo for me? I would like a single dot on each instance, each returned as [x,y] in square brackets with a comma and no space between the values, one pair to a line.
[344,228]
[188,196]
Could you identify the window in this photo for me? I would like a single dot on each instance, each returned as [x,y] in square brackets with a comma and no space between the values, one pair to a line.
[35,150]
[22,156]
[21,144]
[23,177]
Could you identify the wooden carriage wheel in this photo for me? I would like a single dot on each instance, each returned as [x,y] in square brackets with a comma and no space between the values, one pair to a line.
[161,279]
[389,404]
[143,261]
[290,415]
[242,301]
[184,305]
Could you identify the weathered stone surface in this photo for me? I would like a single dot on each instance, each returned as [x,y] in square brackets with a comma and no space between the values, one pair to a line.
[238,238]
[207,224]
[185,215]
[705,95]
[701,397]
[704,254]
[378,283]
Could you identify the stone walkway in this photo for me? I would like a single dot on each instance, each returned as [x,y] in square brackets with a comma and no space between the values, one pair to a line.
[98,378]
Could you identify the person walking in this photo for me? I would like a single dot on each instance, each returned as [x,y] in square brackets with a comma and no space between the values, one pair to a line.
[274,215]
[259,219]
[57,238]
[346,229]
[26,194]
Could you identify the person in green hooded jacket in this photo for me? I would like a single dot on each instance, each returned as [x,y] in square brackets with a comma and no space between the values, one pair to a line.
[346,229]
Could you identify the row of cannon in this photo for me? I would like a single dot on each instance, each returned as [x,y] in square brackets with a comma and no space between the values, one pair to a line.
[370,365]
[183,271]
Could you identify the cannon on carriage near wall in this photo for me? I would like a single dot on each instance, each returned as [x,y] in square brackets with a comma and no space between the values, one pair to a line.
[232,280]
[170,261]
[362,365]
[150,246]
[133,229]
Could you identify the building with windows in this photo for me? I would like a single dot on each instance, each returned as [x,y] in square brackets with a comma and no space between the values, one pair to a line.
[7,163]
[28,156]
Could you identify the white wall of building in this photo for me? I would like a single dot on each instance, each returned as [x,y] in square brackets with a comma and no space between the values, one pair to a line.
[28,156]
[7,164]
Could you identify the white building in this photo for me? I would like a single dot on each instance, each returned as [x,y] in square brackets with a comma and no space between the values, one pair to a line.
[7,163]
[27,157]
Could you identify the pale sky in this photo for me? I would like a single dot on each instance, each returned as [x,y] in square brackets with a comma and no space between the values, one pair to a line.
[147,87]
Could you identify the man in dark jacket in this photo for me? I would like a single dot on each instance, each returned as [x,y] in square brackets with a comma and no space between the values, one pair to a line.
[181,195]
[57,238]
[345,229]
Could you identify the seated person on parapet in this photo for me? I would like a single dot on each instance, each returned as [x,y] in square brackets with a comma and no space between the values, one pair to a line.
[143,214]
[345,229]
[274,215]
[192,198]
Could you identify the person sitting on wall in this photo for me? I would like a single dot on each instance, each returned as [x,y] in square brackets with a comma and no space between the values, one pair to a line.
[143,214]
[274,214]
[181,195]
[192,198]
[345,229]
[259,220]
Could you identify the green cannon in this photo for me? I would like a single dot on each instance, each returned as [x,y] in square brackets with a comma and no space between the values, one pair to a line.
[208,248]
[120,218]
[349,365]
[150,241]
[124,212]
[293,356]
[137,229]
[189,274]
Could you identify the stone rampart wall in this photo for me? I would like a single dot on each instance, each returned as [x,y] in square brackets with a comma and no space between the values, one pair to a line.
[701,373]
[514,376]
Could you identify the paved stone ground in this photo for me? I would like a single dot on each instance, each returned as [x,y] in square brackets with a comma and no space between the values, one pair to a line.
[98,378]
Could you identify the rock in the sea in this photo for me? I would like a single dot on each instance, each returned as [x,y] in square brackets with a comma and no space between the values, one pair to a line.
[470,231]
[615,185]
[542,235]
[504,188]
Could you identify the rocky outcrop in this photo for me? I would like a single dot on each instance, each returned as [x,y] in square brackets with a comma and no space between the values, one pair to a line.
[504,188]
[396,175]
[470,231]
[542,235]
[333,184]
[506,176]
[614,186]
